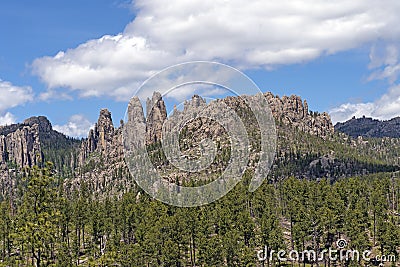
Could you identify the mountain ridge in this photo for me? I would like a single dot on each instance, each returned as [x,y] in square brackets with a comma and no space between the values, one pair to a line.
[307,147]
[369,127]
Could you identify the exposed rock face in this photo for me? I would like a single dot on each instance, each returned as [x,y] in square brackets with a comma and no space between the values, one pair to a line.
[104,145]
[21,143]
[30,143]
[156,115]
[101,159]
[104,129]
[100,138]
[136,116]
[43,123]
[288,110]
[98,161]
[22,146]
[135,110]
[292,111]
[368,127]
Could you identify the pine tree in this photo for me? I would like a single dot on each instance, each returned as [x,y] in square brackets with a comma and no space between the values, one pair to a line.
[38,215]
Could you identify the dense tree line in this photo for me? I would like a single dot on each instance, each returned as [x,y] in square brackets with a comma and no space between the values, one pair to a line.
[46,227]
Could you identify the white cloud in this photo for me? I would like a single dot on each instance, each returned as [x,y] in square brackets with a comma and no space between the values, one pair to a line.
[247,34]
[12,96]
[112,66]
[386,107]
[185,92]
[77,126]
[385,65]
[346,111]
[7,119]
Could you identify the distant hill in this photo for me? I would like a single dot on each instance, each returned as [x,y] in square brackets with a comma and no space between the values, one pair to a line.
[368,127]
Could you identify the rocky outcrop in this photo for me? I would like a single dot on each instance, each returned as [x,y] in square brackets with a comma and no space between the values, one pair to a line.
[100,138]
[156,115]
[104,130]
[292,111]
[42,122]
[104,139]
[20,144]
[101,155]
[98,161]
[101,159]
[137,124]
[21,147]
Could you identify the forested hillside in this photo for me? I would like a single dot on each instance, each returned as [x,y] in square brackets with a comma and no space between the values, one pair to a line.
[368,127]
[47,226]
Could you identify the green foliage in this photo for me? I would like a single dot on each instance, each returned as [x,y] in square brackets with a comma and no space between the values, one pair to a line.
[49,228]
[38,216]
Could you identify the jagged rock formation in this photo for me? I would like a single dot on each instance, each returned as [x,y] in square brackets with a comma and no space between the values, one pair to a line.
[20,144]
[156,115]
[136,116]
[32,143]
[368,127]
[21,147]
[307,147]
[101,159]
[26,144]
[102,152]
[289,110]
[100,138]
[293,112]
[104,129]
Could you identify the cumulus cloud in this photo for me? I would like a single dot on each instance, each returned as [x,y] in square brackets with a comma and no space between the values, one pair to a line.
[77,126]
[7,119]
[384,65]
[112,65]
[185,92]
[12,96]
[346,111]
[246,34]
[386,107]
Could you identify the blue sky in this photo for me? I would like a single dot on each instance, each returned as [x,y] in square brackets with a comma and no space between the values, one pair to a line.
[68,59]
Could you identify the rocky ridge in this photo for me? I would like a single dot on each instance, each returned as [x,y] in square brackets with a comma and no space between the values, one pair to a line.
[292,111]
[30,143]
[100,157]
[20,144]
[101,154]
[289,111]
